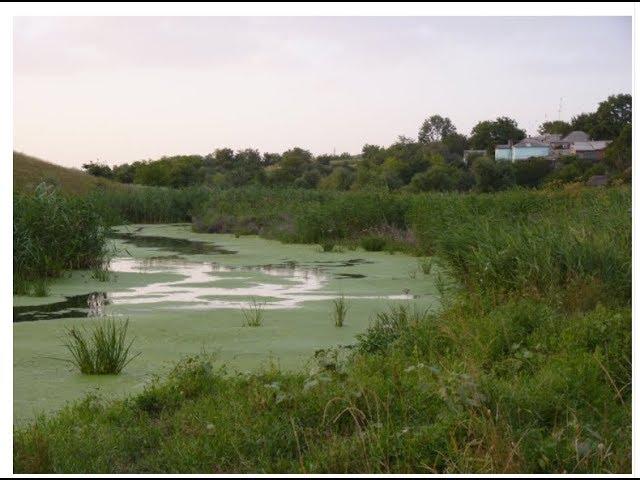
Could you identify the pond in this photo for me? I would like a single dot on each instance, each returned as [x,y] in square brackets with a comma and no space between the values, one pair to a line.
[183,294]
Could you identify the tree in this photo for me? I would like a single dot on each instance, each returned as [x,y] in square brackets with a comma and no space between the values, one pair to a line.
[340,179]
[608,120]
[618,153]
[439,177]
[555,126]
[292,165]
[435,129]
[456,143]
[531,172]
[98,169]
[487,134]
[492,176]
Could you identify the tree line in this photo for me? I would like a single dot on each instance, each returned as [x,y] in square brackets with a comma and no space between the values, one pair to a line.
[432,162]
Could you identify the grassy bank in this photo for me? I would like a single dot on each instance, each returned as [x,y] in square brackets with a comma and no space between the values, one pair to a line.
[527,368]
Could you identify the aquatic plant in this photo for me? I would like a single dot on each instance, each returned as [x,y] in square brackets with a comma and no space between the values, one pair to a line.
[101,349]
[340,308]
[53,233]
[253,315]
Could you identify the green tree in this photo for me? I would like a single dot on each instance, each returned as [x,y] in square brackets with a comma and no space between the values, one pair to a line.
[487,134]
[341,178]
[607,122]
[618,153]
[439,178]
[531,172]
[98,169]
[435,129]
[492,176]
[555,126]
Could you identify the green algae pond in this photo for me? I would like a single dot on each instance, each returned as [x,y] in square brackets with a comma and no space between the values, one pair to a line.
[183,294]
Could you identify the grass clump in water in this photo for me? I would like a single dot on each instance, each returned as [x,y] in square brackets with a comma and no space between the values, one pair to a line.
[253,315]
[340,308]
[102,349]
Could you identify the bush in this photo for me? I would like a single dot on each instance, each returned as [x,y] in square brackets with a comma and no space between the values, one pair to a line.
[373,244]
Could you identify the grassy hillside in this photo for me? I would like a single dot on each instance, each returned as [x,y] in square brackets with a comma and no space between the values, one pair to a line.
[28,172]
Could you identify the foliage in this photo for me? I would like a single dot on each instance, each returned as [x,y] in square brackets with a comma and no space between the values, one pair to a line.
[253,315]
[618,154]
[555,127]
[340,308]
[491,175]
[101,350]
[531,172]
[526,368]
[436,129]
[53,233]
[487,134]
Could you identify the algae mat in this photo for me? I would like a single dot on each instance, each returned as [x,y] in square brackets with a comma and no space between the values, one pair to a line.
[184,293]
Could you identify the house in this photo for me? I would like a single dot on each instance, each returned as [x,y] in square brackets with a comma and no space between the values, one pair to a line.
[593,150]
[527,148]
[553,146]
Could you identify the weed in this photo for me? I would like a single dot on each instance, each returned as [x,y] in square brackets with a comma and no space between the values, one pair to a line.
[253,315]
[340,308]
[102,349]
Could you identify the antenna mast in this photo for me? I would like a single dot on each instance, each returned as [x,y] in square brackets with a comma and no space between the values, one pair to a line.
[560,110]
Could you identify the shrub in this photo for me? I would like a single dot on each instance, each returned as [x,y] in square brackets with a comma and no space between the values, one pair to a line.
[373,244]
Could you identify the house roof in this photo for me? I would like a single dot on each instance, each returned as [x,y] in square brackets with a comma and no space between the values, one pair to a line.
[549,137]
[576,136]
[531,142]
[503,146]
[591,146]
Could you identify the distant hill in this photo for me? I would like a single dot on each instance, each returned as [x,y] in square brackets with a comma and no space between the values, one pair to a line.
[28,172]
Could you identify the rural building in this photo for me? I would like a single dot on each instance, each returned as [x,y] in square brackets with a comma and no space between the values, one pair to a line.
[593,150]
[553,146]
[527,148]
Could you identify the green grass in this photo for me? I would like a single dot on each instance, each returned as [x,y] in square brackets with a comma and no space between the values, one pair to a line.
[102,349]
[53,233]
[253,315]
[526,368]
[340,309]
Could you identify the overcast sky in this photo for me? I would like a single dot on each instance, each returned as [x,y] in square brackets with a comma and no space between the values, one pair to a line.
[121,89]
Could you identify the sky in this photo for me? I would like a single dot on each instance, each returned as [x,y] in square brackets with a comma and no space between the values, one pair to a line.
[121,89]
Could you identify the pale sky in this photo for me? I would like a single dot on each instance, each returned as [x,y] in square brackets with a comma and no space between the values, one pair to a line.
[120,89]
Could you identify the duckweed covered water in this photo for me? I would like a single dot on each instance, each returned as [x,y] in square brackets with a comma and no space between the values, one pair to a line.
[183,293]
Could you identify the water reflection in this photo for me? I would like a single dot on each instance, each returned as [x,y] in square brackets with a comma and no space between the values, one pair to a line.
[205,285]
[77,306]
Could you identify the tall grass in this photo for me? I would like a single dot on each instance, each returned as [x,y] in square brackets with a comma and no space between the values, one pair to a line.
[148,204]
[340,308]
[53,233]
[253,315]
[102,349]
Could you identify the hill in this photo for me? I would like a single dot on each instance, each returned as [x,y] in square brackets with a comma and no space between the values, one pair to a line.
[28,172]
